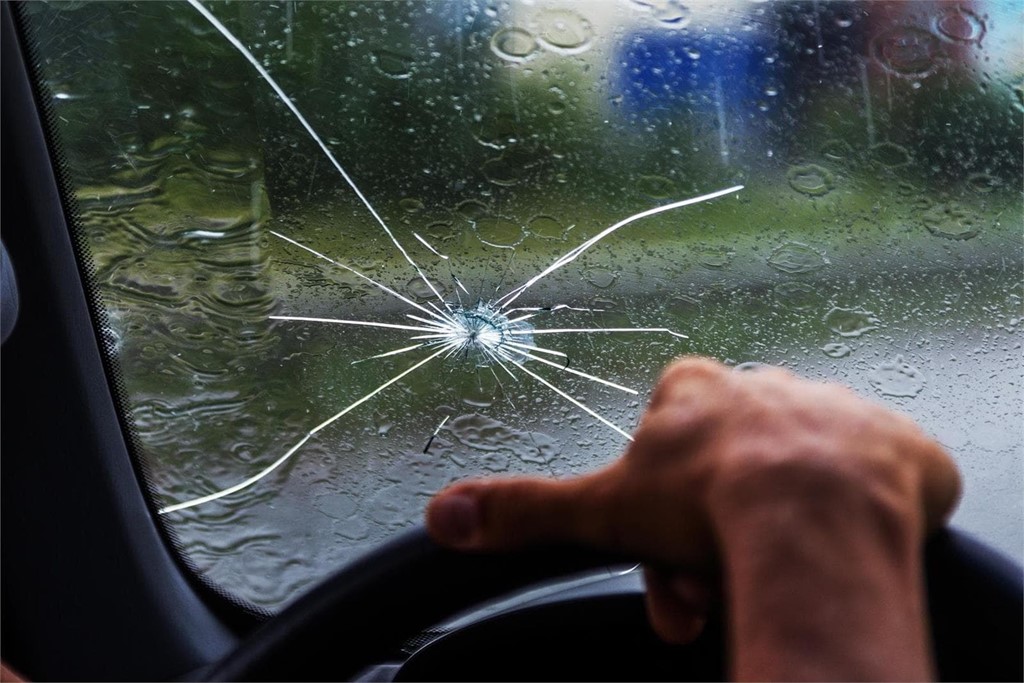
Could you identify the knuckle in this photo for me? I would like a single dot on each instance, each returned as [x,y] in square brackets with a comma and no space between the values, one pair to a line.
[691,367]
[688,380]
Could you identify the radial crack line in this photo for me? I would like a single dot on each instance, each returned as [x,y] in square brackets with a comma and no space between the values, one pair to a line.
[291,451]
[441,313]
[452,346]
[432,324]
[283,97]
[355,272]
[364,323]
[494,357]
[522,318]
[552,309]
[573,254]
[396,352]
[585,375]
[436,432]
[497,379]
[459,283]
[589,330]
[429,246]
[379,389]
[437,335]
[533,347]
[567,397]
[237,487]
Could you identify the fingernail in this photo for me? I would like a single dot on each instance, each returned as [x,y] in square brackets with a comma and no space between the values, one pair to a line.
[454,518]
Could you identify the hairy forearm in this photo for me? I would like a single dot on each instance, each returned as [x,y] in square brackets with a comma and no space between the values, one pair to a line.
[826,587]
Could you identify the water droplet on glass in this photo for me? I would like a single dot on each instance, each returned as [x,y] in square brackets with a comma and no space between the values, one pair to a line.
[960,25]
[836,350]
[906,51]
[1018,97]
[353,528]
[796,295]
[672,13]
[365,262]
[836,150]
[851,322]
[889,154]
[440,231]
[750,366]
[499,232]
[683,306]
[952,220]
[478,398]
[844,22]
[419,289]
[794,257]
[983,182]
[502,171]
[392,64]
[655,186]
[514,44]
[496,131]
[411,205]
[897,378]
[546,227]
[335,505]
[810,179]
[771,91]
[601,277]
[386,506]
[471,209]
[715,258]
[564,31]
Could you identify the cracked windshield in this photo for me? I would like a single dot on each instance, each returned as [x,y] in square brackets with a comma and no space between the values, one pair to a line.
[347,253]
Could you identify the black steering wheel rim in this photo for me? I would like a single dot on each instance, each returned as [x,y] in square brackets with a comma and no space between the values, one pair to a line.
[373,606]
[365,612]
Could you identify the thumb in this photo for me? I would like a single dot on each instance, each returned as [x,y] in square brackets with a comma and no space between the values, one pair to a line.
[506,514]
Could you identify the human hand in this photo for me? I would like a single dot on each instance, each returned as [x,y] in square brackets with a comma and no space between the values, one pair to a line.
[760,473]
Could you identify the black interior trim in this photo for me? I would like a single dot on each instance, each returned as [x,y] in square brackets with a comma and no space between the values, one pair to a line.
[72,513]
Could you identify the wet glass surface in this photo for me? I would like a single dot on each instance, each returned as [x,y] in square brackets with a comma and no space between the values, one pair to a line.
[877,240]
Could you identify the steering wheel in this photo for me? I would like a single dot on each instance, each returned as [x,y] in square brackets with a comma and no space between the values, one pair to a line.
[363,614]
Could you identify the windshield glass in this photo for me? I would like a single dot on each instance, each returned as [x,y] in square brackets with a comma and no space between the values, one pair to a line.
[347,253]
